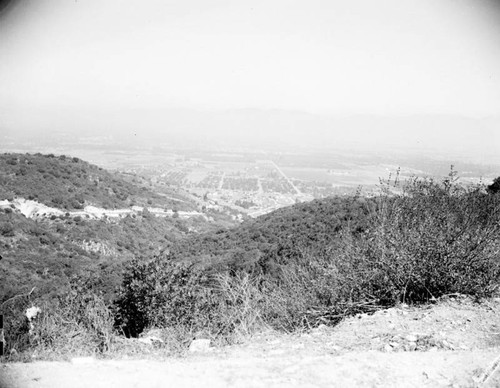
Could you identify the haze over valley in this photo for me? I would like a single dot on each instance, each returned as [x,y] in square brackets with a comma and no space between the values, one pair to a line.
[256,161]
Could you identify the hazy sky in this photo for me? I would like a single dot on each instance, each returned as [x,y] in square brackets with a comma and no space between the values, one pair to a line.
[337,57]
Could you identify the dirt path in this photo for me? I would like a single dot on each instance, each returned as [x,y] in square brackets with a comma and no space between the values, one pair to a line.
[365,369]
[450,344]
[34,209]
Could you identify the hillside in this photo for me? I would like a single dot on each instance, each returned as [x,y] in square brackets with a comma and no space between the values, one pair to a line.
[279,236]
[70,183]
[61,217]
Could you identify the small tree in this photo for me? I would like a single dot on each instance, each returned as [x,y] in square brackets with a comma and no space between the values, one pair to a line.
[495,186]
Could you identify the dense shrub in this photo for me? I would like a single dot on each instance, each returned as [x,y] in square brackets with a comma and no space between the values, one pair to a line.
[163,292]
[436,238]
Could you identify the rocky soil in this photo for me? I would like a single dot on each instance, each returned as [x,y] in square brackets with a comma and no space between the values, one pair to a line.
[452,343]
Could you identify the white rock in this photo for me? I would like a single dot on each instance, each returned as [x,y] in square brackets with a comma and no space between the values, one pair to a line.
[321,327]
[200,345]
[32,312]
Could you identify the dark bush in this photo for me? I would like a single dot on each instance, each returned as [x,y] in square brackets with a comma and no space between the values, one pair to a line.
[494,188]
[7,229]
[162,293]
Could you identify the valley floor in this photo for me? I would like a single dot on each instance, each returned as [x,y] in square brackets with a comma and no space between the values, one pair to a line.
[454,343]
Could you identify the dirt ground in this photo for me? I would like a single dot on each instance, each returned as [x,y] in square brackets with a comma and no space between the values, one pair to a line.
[453,343]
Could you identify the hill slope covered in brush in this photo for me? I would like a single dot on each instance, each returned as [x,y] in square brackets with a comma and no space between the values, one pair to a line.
[280,235]
[46,251]
[71,183]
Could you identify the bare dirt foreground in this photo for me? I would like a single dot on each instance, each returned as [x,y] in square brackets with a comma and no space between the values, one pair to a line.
[454,343]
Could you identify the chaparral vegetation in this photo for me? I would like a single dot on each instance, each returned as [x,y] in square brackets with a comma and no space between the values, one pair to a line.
[296,268]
